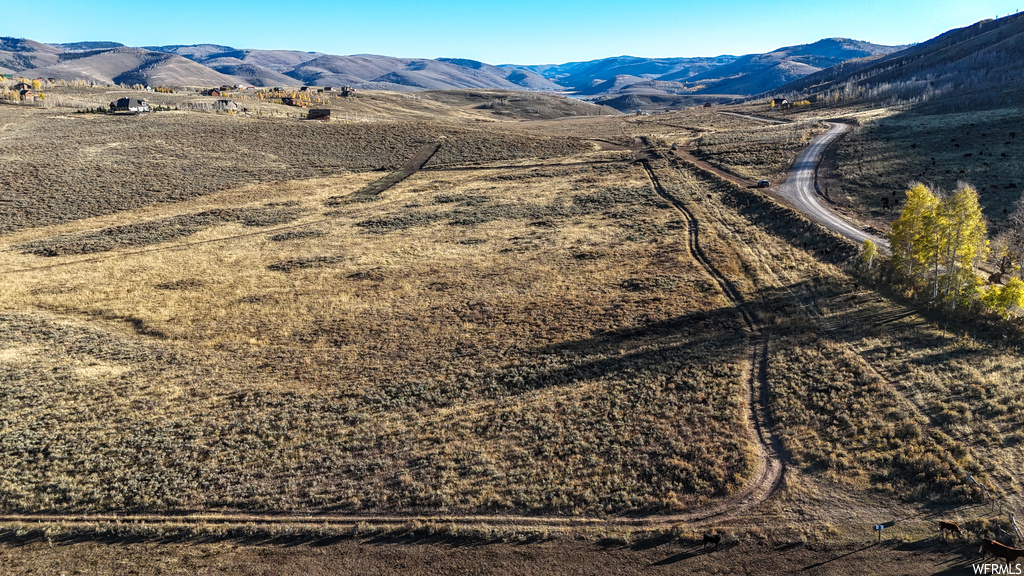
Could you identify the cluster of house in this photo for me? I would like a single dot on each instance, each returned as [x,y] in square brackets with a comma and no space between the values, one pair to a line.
[25,91]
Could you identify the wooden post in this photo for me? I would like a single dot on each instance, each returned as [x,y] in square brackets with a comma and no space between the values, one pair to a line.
[984,492]
[1013,522]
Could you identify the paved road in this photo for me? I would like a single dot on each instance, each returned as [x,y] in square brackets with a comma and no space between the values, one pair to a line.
[799,191]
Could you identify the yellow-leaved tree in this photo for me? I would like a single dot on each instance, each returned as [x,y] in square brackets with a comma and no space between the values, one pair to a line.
[962,243]
[936,243]
[1006,301]
[868,255]
[908,240]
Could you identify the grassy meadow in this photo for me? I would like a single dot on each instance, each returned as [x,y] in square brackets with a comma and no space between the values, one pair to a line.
[889,149]
[505,338]
[211,320]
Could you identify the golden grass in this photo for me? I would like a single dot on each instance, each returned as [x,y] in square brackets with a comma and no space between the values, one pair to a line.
[519,334]
[888,151]
[508,339]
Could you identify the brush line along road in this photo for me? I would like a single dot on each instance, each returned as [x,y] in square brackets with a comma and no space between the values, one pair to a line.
[799,190]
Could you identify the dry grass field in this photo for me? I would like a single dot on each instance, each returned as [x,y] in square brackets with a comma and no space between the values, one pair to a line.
[525,328]
[389,362]
[888,149]
[417,554]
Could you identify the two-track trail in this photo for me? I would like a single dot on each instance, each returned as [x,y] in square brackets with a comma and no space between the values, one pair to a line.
[769,470]
[414,165]
[368,192]
[765,480]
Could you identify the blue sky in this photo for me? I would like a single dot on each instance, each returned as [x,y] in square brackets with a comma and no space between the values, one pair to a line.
[530,32]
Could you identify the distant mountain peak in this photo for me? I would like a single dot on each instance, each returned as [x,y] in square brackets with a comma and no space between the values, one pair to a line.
[210,63]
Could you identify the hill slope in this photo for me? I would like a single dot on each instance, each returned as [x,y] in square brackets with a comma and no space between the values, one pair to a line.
[213,64]
[981,64]
[757,73]
[132,66]
[584,76]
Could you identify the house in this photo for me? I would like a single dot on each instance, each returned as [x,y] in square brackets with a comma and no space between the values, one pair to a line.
[288,101]
[328,89]
[27,96]
[781,103]
[322,114]
[211,92]
[707,104]
[225,88]
[133,105]
[347,91]
[22,86]
[225,105]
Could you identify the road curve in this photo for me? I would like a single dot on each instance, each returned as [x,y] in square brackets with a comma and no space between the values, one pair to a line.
[799,190]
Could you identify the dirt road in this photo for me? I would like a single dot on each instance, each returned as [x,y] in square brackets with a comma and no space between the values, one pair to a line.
[799,190]
[770,468]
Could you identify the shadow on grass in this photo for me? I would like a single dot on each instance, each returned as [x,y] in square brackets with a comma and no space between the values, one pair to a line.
[840,557]
[691,552]
[249,536]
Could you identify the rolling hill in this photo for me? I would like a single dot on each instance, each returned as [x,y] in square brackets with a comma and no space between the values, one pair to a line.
[756,73]
[585,76]
[981,64]
[215,64]
[131,66]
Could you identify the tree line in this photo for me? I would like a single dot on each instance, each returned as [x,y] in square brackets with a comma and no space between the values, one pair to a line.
[939,240]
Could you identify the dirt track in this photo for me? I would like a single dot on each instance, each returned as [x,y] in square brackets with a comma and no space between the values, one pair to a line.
[770,467]
[765,480]
[415,164]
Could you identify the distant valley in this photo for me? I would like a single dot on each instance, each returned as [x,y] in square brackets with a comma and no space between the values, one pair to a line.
[622,81]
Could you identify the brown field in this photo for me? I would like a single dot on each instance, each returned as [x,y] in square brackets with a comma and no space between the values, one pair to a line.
[888,149]
[526,335]
[418,554]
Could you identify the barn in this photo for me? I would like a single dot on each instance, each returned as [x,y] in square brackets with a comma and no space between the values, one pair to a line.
[323,114]
[129,105]
[225,105]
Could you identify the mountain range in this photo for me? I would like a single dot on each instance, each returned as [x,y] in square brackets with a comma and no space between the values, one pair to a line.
[213,64]
[981,65]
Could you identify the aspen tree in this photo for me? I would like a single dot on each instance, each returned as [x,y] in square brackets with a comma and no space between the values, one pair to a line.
[962,242]
[908,231]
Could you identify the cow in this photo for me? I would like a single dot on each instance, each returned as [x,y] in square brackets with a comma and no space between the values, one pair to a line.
[998,549]
[710,538]
[951,527]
